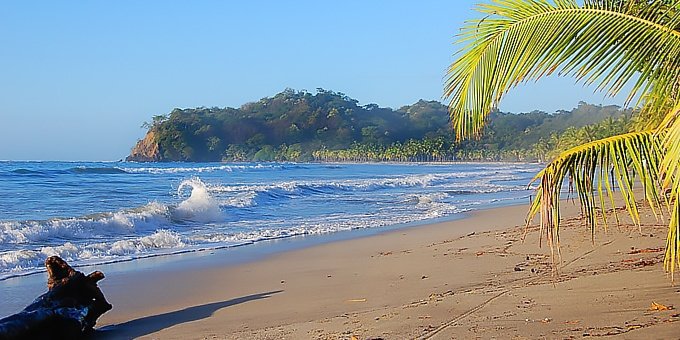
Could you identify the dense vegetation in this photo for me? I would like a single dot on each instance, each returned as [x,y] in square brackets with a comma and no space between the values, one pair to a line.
[330,126]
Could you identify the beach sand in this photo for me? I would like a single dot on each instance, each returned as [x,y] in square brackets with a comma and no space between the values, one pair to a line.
[469,278]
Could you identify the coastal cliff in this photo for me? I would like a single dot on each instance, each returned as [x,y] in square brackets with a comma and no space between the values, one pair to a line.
[147,149]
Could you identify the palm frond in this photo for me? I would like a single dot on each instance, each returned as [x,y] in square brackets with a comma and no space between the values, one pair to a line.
[670,172]
[598,43]
[628,158]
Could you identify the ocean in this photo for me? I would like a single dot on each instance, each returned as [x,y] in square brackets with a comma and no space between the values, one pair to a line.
[104,212]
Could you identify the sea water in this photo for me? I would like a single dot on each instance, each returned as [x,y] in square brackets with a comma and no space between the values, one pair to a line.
[103,212]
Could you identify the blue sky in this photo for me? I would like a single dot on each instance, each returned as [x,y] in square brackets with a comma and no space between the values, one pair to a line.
[79,78]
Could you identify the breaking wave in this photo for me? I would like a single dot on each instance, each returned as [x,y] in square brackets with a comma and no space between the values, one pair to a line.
[229,205]
[120,235]
[200,206]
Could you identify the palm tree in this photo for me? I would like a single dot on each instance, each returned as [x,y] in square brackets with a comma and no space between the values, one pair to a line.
[610,44]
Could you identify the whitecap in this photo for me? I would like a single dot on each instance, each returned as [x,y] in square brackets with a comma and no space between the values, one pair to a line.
[200,206]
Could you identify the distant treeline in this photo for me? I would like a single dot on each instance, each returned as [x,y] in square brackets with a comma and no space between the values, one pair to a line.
[330,126]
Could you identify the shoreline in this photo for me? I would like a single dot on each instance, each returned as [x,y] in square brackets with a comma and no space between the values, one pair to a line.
[297,242]
[21,289]
[471,277]
[155,227]
[205,283]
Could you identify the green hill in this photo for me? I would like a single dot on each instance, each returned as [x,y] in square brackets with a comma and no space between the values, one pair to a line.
[301,126]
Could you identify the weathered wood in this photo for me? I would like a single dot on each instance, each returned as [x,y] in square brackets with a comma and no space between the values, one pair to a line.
[69,309]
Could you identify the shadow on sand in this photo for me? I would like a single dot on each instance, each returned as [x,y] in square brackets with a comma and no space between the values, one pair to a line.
[150,324]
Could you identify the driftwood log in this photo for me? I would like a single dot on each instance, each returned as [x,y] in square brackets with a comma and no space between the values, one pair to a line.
[69,309]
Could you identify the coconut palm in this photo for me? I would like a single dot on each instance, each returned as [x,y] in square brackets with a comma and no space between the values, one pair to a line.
[609,44]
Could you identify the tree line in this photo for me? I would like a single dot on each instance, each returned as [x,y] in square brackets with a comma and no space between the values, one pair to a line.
[330,126]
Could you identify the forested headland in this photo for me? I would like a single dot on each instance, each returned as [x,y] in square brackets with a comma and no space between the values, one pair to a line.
[330,126]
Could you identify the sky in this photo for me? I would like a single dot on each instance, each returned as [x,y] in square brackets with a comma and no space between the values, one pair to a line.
[78,78]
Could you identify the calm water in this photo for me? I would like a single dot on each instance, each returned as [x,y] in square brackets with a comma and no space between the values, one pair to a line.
[93,213]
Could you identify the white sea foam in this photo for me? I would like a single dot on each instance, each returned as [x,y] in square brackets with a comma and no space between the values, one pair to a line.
[408,181]
[117,230]
[222,213]
[17,261]
[241,200]
[200,206]
[164,241]
[150,216]
[161,239]
[430,198]
[328,225]
[198,169]
[345,185]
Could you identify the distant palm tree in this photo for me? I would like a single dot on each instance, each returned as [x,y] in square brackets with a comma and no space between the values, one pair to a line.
[607,43]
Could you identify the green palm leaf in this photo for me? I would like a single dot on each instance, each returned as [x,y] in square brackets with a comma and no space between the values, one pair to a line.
[671,174]
[629,158]
[609,43]
[522,40]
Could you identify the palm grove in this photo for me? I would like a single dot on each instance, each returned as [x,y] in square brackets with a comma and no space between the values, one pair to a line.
[610,44]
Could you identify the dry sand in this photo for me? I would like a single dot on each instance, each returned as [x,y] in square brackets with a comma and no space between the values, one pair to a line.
[470,278]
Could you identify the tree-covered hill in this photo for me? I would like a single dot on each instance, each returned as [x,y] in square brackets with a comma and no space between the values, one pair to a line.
[327,125]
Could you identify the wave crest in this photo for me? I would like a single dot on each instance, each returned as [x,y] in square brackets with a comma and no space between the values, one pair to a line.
[200,206]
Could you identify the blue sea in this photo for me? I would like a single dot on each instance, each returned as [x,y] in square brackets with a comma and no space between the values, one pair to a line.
[103,212]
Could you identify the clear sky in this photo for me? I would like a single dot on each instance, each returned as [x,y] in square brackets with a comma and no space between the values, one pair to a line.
[78,78]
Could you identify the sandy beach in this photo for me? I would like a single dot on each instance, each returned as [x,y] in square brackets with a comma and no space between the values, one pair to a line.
[360,170]
[469,278]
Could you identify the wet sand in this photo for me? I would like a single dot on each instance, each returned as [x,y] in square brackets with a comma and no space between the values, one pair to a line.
[469,278]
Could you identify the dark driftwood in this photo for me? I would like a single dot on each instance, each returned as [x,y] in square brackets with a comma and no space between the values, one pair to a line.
[69,309]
